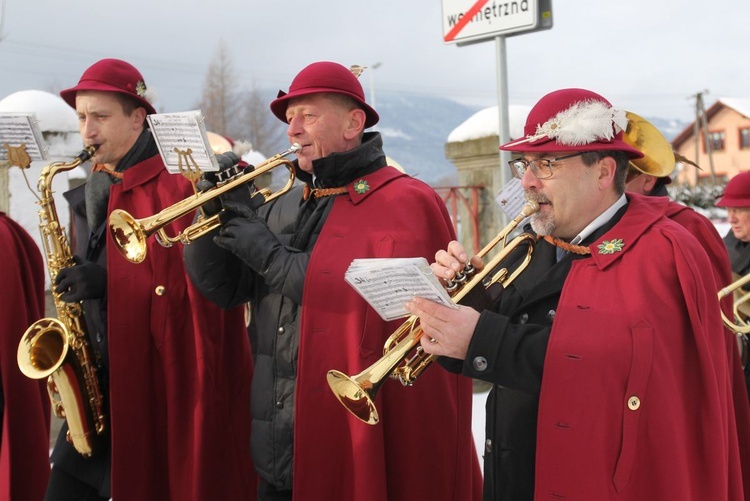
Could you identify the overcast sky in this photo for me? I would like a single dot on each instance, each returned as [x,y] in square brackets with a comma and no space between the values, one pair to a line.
[649,56]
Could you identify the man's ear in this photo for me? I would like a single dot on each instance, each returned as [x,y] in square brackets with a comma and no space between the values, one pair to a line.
[607,169]
[138,118]
[649,182]
[356,123]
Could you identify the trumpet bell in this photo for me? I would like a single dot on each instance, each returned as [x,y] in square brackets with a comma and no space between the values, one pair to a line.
[129,236]
[353,396]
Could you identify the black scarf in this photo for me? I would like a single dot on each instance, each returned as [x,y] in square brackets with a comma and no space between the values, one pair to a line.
[334,171]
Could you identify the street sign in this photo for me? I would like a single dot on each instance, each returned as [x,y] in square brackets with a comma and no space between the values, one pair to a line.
[471,21]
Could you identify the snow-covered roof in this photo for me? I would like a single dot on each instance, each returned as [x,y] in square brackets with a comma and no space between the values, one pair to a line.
[742,106]
[52,113]
[486,122]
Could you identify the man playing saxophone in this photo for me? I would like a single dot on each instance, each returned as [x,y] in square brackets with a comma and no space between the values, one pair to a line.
[175,390]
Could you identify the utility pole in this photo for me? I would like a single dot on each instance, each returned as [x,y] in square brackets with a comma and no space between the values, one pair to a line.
[701,124]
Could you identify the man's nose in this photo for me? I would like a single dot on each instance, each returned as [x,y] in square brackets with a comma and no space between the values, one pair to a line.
[529,180]
[294,128]
[87,128]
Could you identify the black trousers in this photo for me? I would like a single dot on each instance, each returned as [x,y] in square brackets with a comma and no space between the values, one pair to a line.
[65,487]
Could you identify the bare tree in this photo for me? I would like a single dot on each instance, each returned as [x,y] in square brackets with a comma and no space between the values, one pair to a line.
[257,123]
[243,116]
[219,101]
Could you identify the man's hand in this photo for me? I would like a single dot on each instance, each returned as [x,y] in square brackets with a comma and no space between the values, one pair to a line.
[229,165]
[84,280]
[247,236]
[447,331]
[452,261]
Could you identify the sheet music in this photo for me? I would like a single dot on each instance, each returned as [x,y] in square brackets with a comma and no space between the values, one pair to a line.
[184,132]
[511,199]
[22,129]
[387,284]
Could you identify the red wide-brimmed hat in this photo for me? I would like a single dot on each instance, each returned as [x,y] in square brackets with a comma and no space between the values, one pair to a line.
[573,120]
[324,76]
[737,192]
[111,75]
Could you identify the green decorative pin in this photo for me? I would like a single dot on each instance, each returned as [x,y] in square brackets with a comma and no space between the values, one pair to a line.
[361,186]
[610,246]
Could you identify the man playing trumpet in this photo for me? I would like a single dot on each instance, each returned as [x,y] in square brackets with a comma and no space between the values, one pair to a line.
[288,258]
[608,354]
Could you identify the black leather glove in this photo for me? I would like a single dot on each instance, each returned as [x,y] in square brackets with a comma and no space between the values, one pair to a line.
[247,236]
[84,280]
[229,165]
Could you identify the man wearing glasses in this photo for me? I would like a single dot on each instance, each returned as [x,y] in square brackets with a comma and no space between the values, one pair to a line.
[610,367]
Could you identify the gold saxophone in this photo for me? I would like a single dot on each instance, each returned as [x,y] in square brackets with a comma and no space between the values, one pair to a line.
[58,348]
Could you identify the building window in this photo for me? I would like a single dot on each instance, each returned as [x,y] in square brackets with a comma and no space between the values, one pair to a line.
[717,141]
[744,139]
[705,180]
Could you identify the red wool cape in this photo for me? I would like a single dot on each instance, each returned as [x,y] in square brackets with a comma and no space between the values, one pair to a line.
[180,367]
[422,448]
[640,404]
[24,443]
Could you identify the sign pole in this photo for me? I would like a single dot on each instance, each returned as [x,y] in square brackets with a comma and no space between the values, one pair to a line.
[503,132]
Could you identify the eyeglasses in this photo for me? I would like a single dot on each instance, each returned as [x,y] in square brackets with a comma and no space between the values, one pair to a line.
[541,167]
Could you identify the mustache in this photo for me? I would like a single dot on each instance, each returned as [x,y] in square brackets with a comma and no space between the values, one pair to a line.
[539,198]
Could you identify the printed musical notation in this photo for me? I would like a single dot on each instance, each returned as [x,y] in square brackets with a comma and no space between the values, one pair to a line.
[387,284]
[21,129]
[511,198]
[180,136]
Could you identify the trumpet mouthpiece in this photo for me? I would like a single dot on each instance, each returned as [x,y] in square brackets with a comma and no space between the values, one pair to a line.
[295,148]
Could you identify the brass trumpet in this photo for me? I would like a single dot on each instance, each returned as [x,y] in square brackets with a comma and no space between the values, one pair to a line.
[130,234]
[357,393]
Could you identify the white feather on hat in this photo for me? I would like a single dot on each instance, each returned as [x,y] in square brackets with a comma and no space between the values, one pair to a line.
[583,123]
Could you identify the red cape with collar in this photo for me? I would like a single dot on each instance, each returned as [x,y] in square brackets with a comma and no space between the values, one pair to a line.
[24,443]
[639,404]
[180,367]
[422,448]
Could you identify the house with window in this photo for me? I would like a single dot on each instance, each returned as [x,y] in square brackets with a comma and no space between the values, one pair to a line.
[721,148]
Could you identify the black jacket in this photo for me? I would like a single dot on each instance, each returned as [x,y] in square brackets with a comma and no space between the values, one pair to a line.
[739,254]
